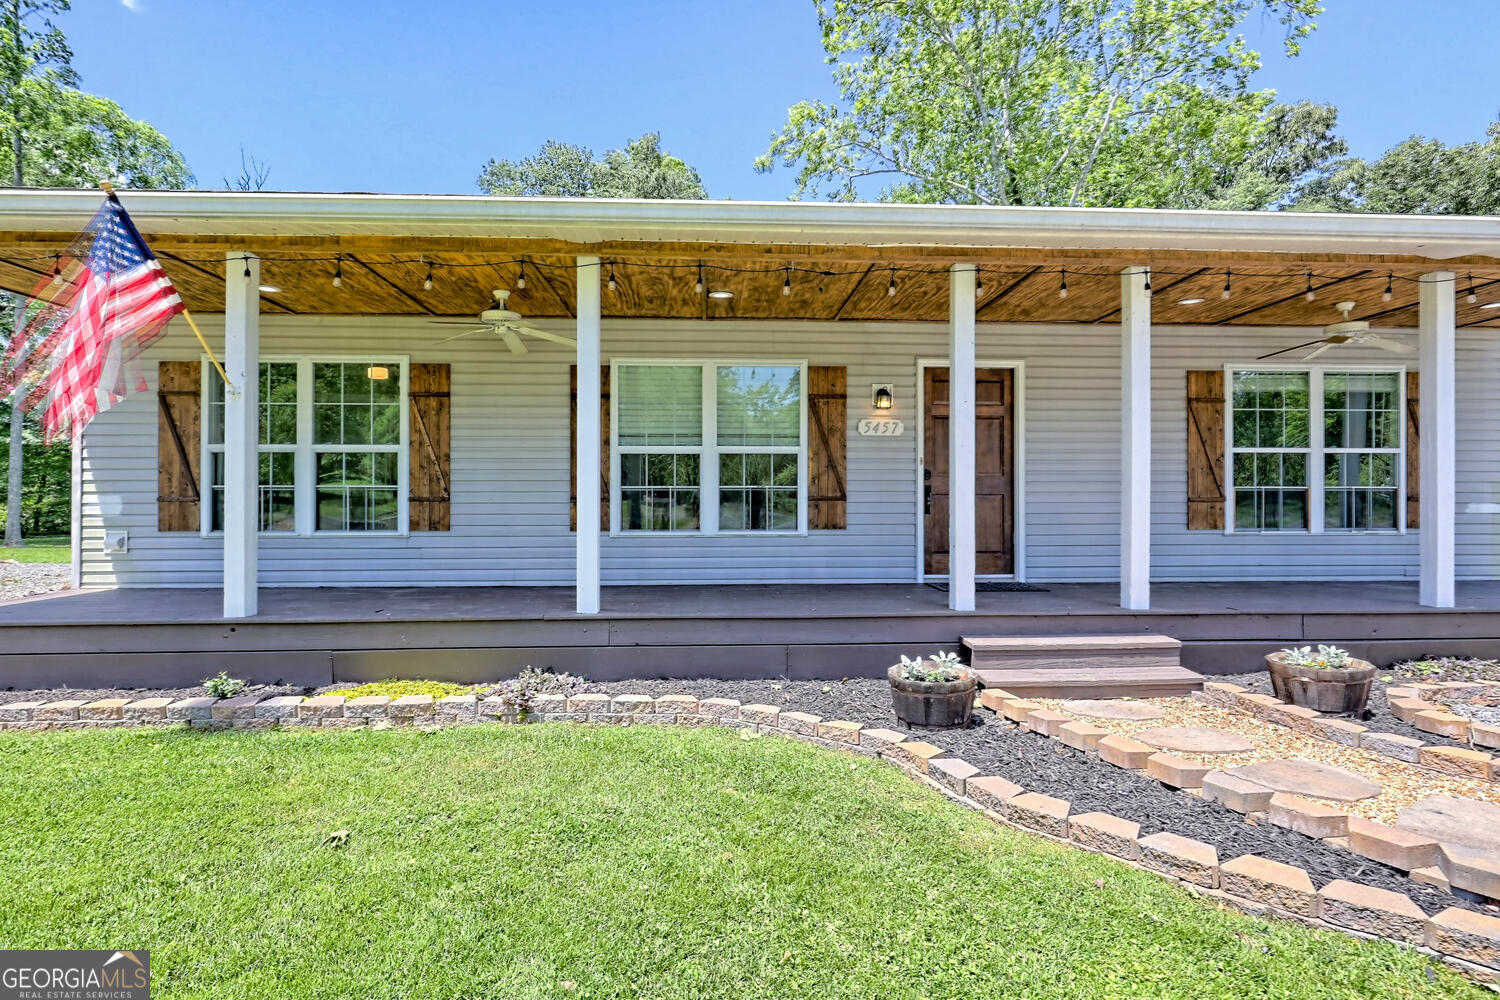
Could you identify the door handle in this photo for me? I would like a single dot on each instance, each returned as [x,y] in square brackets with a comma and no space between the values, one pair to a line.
[927,491]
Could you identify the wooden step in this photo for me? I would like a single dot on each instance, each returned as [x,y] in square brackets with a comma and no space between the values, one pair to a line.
[1170,681]
[1064,652]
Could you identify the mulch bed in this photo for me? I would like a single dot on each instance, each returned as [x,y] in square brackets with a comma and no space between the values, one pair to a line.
[1040,764]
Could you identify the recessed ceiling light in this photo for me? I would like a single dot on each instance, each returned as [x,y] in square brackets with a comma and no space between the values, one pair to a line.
[720,293]
[1491,305]
[270,289]
[1189,302]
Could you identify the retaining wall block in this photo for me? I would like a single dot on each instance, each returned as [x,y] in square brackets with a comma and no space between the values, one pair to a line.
[544,705]
[720,708]
[840,731]
[914,754]
[105,709]
[760,715]
[148,710]
[1480,734]
[371,706]
[587,703]
[1081,735]
[1294,717]
[1270,882]
[1038,812]
[1236,793]
[1456,760]
[1122,751]
[327,706]
[191,710]
[20,711]
[676,704]
[1221,693]
[1046,721]
[1309,818]
[1179,772]
[1015,709]
[1405,708]
[1400,747]
[1190,860]
[1391,846]
[953,773]
[1340,731]
[1440,723]
[1474,937]
[1470,870]
[880,740]
[1371,910]
[631,704]
[991,791]
[459,708]
[240,707]
[57,711]
[800,723]
[410,706]
[281,707]
[1107,834]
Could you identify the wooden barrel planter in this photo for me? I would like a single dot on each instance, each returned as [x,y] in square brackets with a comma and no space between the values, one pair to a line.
[1330,690]
[933,704]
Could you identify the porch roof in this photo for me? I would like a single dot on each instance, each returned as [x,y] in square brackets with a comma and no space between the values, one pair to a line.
[840,256]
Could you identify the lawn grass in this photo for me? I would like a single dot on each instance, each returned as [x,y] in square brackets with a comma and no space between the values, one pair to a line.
[42,549]
[566,861]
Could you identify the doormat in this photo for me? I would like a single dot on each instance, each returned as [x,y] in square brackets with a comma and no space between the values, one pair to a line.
[998,587]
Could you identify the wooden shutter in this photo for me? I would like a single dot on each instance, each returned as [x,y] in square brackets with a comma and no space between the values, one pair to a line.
[430,499]
[179,409]
[1205,450]
[573,447]
[827,409]
[1413,453]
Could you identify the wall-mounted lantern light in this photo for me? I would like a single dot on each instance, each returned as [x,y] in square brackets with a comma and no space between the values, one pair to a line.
[880,396]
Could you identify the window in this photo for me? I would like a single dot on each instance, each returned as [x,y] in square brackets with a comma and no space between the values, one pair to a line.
[1316,450]
[710,448]
[332,446]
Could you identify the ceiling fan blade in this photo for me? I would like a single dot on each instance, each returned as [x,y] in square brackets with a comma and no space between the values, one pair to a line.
[461,336]
[1328,345]
[555,338]
[454,322]
[1288,350]
[1386,344]
[512,340]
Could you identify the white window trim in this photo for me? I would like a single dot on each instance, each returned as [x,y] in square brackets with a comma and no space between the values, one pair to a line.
[306,449]
[708,451]
[1316,450]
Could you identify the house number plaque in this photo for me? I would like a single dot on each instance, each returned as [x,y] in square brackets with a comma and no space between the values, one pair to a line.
[880,427]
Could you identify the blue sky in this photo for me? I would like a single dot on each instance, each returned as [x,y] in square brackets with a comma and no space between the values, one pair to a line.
[414,97]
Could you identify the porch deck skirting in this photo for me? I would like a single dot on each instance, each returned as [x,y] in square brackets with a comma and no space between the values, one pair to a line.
[143,637]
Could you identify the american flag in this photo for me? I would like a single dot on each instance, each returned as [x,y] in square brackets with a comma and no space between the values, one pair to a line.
[106,301]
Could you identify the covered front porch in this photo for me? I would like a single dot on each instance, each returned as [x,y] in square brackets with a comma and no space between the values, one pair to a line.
[322,635]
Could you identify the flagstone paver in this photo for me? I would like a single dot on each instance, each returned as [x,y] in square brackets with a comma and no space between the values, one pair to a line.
[1194,739]
[1136,711]
[1309,777]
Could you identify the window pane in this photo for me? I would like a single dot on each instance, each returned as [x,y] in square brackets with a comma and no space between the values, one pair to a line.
[758,492]
[351,407]
[660,405]
[1360,491]
[1362,410]
[760,405]
[1270,409]
[357,491]
[659,492]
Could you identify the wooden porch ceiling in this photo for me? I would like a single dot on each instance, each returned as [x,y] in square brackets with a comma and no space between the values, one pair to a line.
[385,275]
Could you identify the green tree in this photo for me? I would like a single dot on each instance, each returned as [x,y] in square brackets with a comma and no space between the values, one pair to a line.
[562,170]
[57,136]
[1033,102]
[1417,176]
[1296,152]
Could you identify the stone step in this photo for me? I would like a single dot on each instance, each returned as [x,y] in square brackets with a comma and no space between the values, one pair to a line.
[1067,652]
[1150,681]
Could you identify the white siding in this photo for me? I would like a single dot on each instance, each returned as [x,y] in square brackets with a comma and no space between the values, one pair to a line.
[510,465]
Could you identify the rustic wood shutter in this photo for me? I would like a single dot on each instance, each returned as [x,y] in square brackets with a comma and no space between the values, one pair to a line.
[827,409]
[1413,453]
[179,412]
[430,500]
[1205,450]
[573,447]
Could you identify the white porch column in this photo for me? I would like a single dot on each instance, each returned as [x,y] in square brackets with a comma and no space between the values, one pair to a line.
[588,436]
[241,433]
[1439,428]
[1135,440]
[961,466]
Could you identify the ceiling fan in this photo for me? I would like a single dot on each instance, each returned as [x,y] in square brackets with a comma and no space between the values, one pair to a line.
[504,323]
[1347,331]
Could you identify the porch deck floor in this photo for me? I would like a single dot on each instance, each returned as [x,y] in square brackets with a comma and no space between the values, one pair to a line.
[793,601]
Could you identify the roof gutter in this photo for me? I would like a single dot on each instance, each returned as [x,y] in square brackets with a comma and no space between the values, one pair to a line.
[593,220]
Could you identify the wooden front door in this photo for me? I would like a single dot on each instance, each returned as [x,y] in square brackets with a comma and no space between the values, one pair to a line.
[995,467]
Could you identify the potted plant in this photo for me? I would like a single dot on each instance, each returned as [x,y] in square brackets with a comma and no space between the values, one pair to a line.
[935,693]
[1328,680]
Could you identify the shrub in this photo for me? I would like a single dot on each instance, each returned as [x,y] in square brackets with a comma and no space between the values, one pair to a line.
[397,688]
[1326,658]
[939,668]
[224,686]
[516,694]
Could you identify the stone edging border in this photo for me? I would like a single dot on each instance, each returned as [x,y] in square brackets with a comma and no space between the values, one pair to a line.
[1405,705]
[1463,939]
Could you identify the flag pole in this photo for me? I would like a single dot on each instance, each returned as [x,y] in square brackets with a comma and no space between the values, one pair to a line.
[109,189]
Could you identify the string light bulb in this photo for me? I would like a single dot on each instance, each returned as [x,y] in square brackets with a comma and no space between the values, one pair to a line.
[1473,296]
[1147,289]
[1386,295]
[890,290]
[786,284]
[1309,295]
[978,284]
[57,277]
[521,278]
[1228,290]
[612,284]
[427,281]
[698,285]
[1062,286]
[247,267]
[338,271]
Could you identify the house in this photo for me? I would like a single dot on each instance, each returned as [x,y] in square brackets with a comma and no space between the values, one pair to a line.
[839,403]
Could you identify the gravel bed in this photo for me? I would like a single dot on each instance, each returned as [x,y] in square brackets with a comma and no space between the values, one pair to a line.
[1048,766]
[18,579]
[1380,718]
[1488,714]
